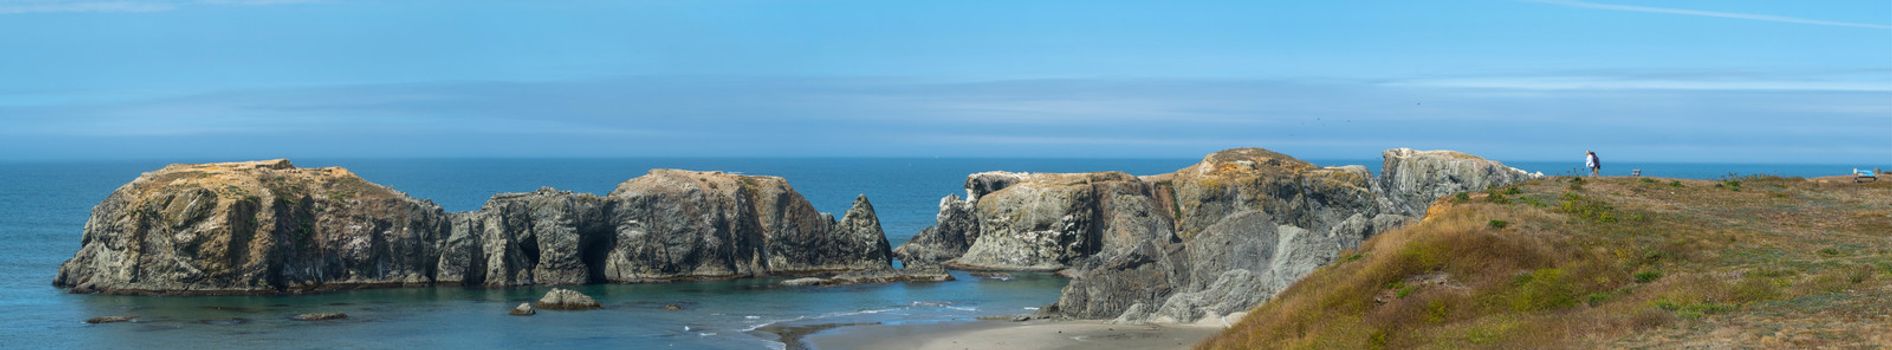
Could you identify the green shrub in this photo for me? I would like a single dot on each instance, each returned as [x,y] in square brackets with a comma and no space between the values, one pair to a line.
[1597,298]
[1543,289]
[1498,224]
[1647,276]
[1462,197]
[1675,183]
[1496,197]
[1587,208]
[1754,288]
[1437,310]
[1535,202]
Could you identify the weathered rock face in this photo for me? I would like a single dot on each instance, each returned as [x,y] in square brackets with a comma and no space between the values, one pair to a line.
[1044,222]
[1037,222]
[566,299]
[853,243]
[1216,237]
[1412,179]
[524,239]
[250,226]
[524,309]
[268,227]
[954,231]
[1107,285]
[673,224]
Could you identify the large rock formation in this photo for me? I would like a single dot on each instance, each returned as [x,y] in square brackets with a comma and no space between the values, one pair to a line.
[1412,179]
[269,227]
[1219,236]
[524,239]
[1024,221]
[952,234]
[252,226]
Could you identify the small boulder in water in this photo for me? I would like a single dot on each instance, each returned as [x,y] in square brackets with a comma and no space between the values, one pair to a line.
[566,299]
[225,321]
[110,319]
[673,307]
[320,316]
[804,281]
[1001,276]
[524,309]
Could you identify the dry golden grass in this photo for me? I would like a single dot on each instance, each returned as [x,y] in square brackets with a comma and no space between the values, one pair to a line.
[1611,263]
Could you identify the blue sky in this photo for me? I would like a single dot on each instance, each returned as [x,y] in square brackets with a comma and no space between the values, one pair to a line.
[1695,81]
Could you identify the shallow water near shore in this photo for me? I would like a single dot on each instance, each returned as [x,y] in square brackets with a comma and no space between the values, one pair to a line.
[43,208]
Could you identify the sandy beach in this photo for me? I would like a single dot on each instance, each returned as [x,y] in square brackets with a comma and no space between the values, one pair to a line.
[1088,335]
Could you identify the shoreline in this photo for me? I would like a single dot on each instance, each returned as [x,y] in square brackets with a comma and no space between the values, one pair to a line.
[997,334]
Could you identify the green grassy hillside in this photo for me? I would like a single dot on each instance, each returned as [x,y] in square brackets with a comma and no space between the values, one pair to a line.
[1606,263]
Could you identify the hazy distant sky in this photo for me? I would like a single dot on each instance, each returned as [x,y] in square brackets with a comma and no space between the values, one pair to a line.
[1705,81]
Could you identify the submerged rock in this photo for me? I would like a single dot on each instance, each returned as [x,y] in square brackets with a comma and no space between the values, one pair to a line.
[225,321]
[110,319]
[566,299]
[999,276]
[320,316]
[805,281]
[911,274]
[524,309]
[270,228]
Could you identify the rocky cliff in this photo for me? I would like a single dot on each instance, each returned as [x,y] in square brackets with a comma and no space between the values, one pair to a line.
[269,227]
[1217,237]
[1412,179]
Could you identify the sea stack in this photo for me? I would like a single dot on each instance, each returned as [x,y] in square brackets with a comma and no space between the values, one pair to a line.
[268,227]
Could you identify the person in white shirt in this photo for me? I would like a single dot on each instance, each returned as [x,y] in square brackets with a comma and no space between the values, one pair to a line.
[1595,165]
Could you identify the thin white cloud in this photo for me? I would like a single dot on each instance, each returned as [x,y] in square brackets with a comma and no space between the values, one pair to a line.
[17,7]
[82,6]
[1715,14]
[1602,83]
[256,2]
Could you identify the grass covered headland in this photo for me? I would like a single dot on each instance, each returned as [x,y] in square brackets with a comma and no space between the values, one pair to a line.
[1606,263]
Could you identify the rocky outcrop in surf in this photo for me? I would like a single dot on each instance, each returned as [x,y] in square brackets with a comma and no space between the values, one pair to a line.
[1217,237]
[268,227]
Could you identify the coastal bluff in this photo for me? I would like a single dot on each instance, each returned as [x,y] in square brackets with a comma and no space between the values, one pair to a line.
[269,227]
[1214,238]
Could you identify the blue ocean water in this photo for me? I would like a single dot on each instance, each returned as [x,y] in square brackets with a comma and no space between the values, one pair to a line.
[43,207]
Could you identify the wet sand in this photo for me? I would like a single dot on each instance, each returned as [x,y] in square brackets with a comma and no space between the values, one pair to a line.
[1074,335]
